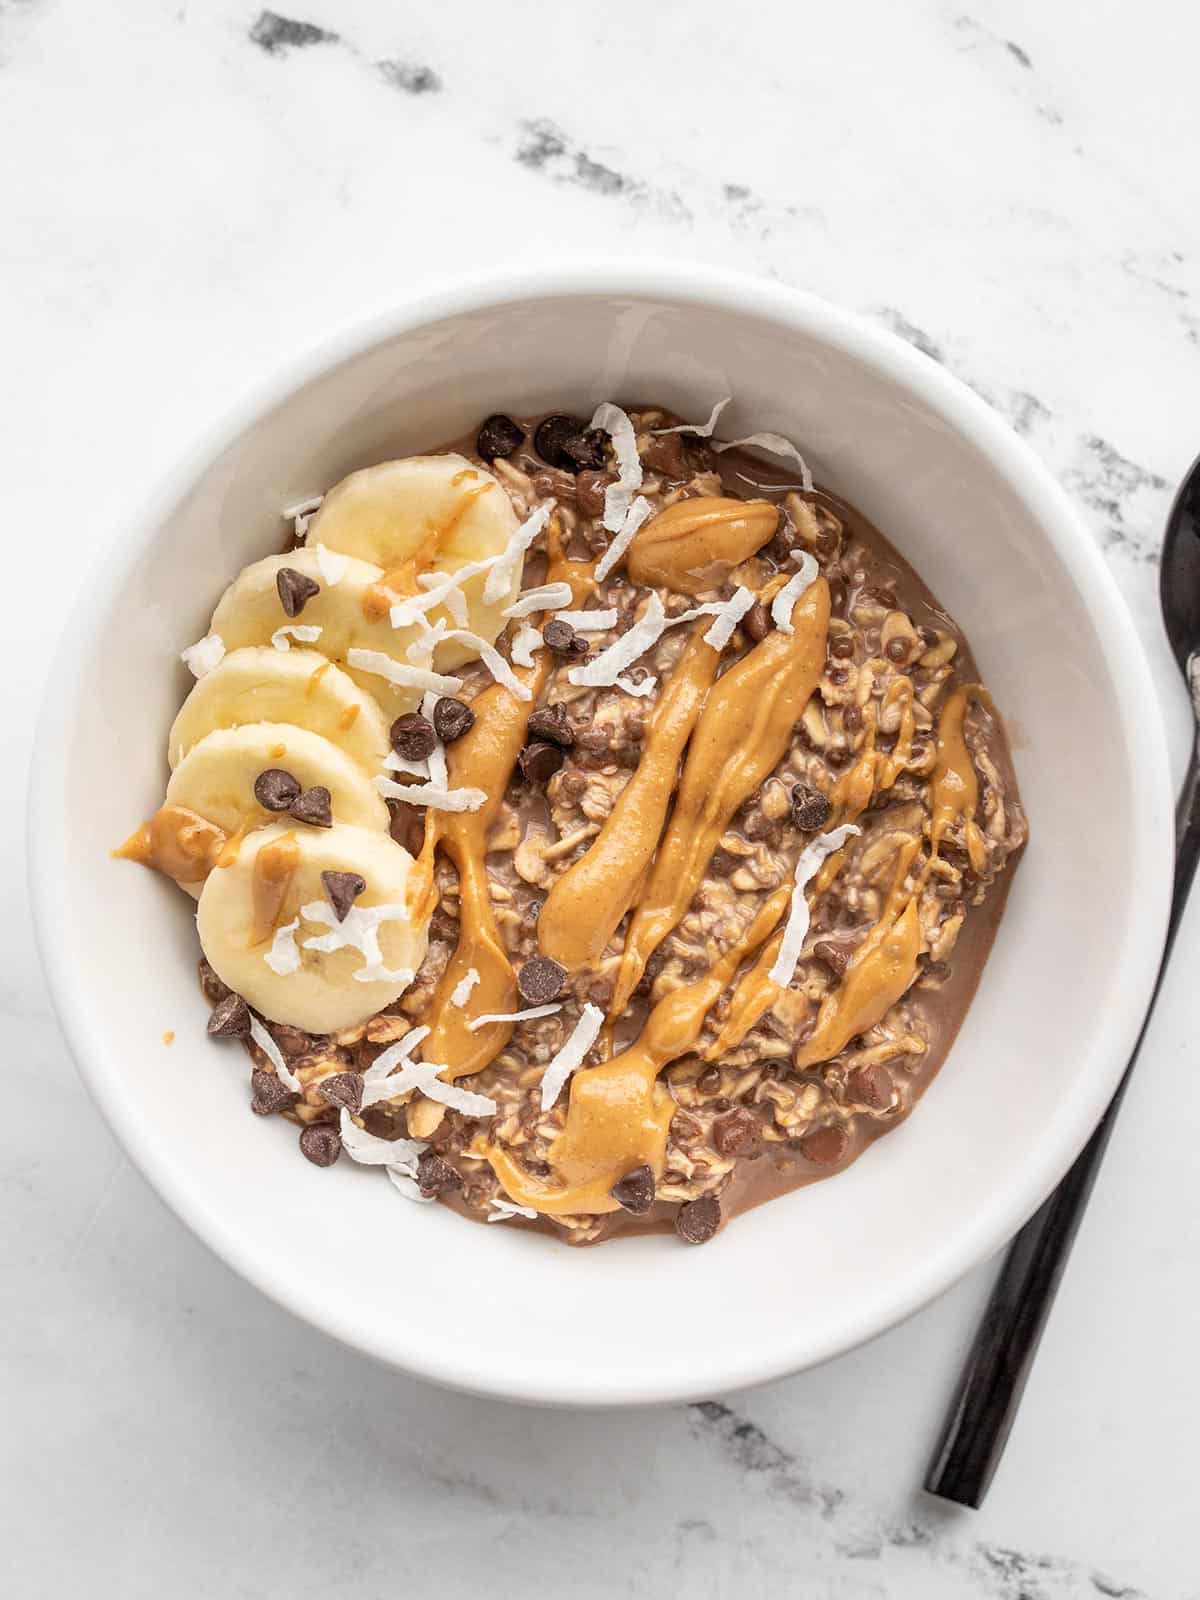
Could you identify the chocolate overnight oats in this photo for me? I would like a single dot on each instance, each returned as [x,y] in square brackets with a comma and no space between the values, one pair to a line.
[590,824]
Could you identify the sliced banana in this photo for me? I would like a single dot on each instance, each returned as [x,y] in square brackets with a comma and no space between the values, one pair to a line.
[322,994]
[216,778]
[262,684]
[423,514]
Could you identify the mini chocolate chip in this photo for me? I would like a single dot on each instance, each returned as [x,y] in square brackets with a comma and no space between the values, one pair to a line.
[896,650]
[541,980]
[406,824]
[342,1089]
[835,956]
[635,1191]
[551,437]
[735,1132]
[590,491]
[561,637]
[810,808]
[586,450]
[295,590]
[870,1086]
[435,1176]
[757,622]
[553,723]
[276,790]
[342,890]
[269,1094]
[709,1080]
[697,1220]
[321,1143]
[210,985]
[230,1018]
[838,675]
[412,738]
[540,761]
[826,1146]
[499,436]
[315,806]
[842,646]
[451,719]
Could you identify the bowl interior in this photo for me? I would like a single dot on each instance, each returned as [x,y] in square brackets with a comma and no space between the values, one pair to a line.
[496,1309]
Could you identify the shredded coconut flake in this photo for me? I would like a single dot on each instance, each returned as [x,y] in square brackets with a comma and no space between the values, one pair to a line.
[503,1210]
[728,615]
[525,641]
[639,687]
[589,621]
[508,563]
[395,1073]
[359,930]
[778,446]
[332,565]
[618,497]
[606,669]
[513,1016]
[302,632]
[302,508]
[204,655]
[638,513]
[283,958]
[461,991]
[441,588]
[429,794]
[439,775]
[784,602]
[415,769]
[702,430]
[571,1055]
[407,1186]
[274,1055]
[362,1146]
[796,931]
[374,661]
[546,597]
[494,662]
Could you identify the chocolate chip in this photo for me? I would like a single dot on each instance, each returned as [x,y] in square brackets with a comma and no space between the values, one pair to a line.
[551,437]
[835,956]
[757,622]
[735,1132]
[295,590]
[210,985]
[499,436]
[540,981]
[315,806]
[896,650]
[230,1018]
[826,1146]
[709,1080]
[342,890]
[635,1191]
[842,646]
[810,808]
[870,1086]
[540,761]
[342,1089]
[585,450]
[269,1094]
[451,719]
[561,637]
[697,1220]
[320,1143]
[435,1176]
[589,492]
[412,738]
[276,790]
[838,675]
[553,723]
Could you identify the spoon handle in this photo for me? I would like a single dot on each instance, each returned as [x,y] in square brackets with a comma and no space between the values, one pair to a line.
[993,1378]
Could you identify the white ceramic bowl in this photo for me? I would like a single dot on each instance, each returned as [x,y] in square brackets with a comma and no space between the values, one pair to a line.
[495,1309]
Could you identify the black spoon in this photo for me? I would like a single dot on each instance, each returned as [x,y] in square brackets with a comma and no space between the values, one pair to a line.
[993,1378]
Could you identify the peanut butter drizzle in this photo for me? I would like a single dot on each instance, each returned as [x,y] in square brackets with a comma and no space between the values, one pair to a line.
[619,1114]
[740,736]
[177,842]
[954,785]
[585,905]
[694,544]
[274,868]
[401,580]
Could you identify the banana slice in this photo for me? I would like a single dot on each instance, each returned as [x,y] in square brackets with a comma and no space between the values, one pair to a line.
[423,514]
[322,994]
[262,684]
[216,778]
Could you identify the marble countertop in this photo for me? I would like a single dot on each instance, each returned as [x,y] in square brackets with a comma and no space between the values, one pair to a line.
[190,190]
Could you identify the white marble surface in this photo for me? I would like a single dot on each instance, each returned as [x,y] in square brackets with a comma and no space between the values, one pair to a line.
[186,193]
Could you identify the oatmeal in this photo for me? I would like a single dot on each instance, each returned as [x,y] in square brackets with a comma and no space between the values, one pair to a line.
[591,825]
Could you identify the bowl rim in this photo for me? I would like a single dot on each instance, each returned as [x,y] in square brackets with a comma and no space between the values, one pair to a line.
[739,294]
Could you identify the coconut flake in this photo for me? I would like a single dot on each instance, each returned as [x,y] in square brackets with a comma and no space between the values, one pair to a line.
[408,1186]
[283,958]
[589,621]
[415,769]
[513,1016]
[796,931]
[638,513]
[506,565]
[382,1082]
[571,1054]
[606,669]
[374,661]
[729,613]
[545,597]
[778,446]
[420,651]
[395,1055]
[639,687]
[429,794]
[376,972]
[204,655]
[524,642]
[358,930]
[461,991]
[702,430]
[619,496]
[493,661]
[439,775]
[302,508]
[503,1210]
[302,632]
[274,1055]
[332,564]
[785,601]
[362,1146]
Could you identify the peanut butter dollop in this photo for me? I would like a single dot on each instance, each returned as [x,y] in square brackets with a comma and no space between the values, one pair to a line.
[693,545]
[177,842]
